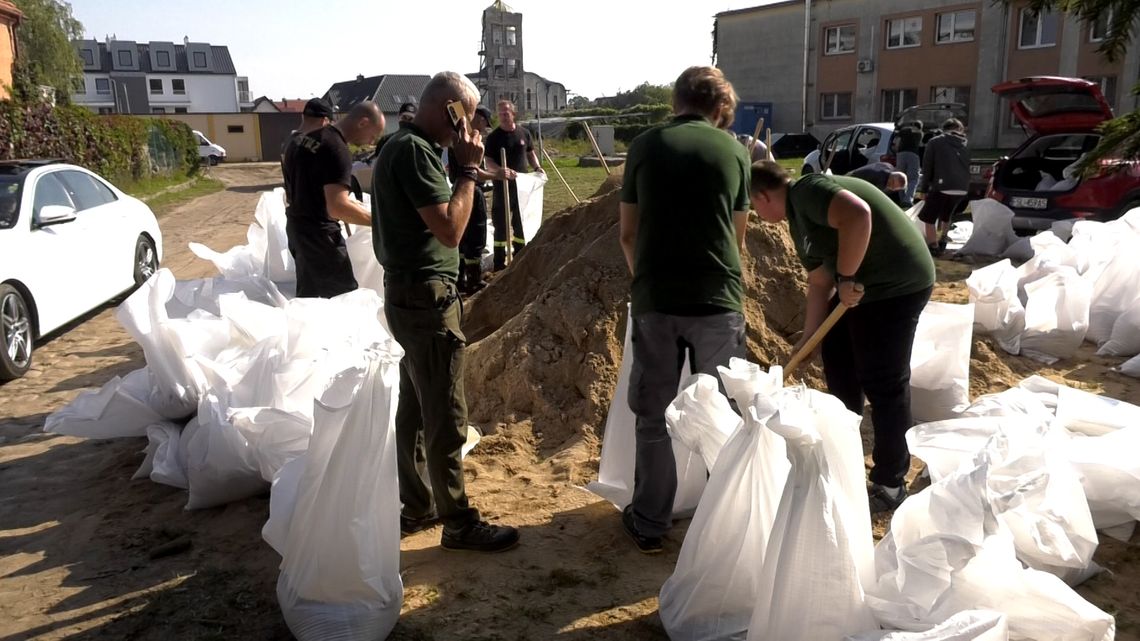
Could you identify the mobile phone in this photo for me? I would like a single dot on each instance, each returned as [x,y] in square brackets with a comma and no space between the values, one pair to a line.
[457,112]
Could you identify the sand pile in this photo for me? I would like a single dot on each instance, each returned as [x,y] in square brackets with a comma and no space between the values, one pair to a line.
[547,334]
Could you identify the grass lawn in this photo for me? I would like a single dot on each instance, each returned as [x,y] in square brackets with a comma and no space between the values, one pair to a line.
[163,203]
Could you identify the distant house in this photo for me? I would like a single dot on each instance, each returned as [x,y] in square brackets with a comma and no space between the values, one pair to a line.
[285,105]
[389,91]
[123,76]
[9,19]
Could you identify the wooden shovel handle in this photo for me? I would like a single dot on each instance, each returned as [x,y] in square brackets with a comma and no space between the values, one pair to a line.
[815,340]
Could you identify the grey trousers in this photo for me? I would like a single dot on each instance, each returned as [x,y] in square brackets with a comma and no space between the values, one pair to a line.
[908,163]
[660,343]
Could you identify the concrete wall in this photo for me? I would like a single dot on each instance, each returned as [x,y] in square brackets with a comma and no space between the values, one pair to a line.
[240,146]
[204,94]
[7,57]
[761,54]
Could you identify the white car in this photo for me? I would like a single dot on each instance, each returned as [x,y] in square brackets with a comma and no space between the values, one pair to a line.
[850,148]
[208,151]
[69,242]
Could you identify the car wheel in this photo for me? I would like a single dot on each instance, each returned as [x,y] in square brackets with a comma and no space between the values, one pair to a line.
[213,160]
[15,334]
[807,170]
[146,260]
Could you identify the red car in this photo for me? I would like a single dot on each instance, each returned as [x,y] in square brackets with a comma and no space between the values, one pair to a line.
[1038,180]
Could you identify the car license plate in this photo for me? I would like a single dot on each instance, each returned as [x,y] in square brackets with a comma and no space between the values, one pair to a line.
[1028,203]
[976,170]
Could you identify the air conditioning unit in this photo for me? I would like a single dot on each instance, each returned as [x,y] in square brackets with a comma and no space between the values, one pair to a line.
[865,65]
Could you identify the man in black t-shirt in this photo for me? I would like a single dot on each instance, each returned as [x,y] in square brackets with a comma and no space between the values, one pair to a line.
[520,158]
[318,175]
[474,240]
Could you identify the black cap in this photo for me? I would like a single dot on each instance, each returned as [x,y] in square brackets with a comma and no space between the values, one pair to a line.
[317,108]
[483,111]
[407,108]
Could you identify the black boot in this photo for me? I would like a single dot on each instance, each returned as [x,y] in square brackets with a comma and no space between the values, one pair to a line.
[461,281]
[474,277]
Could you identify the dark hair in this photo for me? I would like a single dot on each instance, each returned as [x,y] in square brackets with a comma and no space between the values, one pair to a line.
[952,124]
[768,175]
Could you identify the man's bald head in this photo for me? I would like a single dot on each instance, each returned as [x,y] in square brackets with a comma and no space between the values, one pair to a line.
[363,124]
[443,88]
[896,181]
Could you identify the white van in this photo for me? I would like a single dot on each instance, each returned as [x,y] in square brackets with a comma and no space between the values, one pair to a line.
[208,151]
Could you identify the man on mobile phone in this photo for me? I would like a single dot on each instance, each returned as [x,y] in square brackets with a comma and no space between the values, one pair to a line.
[521,158]
[418,223]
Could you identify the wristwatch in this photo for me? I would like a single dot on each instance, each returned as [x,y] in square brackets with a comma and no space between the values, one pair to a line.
[471,172]
[840,278]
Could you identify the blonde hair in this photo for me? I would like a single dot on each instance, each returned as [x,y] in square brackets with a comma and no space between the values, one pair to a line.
[703,90]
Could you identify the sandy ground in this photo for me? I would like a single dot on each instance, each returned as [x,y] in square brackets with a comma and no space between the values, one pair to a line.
[80,554]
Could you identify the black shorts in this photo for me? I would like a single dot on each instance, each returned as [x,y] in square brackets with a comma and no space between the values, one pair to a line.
[939,207]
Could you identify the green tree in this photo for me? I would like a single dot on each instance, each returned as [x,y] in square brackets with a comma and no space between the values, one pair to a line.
[643,94]
[47,55]
[1120,137]
[579,102]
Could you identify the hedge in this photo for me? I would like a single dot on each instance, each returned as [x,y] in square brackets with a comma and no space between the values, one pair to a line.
[121,148]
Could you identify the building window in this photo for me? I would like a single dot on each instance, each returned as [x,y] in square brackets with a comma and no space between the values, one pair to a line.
[497,35]
[235,129]
[1107,87]
[103,86]
[199,59]
[499,68]
[956,27]
[512,68]
[88,57]
[951,94]
[156,86]
[125,59]
[904,32]
[528,100]
[78,85]
[512,36]
[162,58]
[158,110]
[839,40]
[895,100]
[835,106]
[1098,29]
[1037,29]
[105,111]
[180,110]
[178,86]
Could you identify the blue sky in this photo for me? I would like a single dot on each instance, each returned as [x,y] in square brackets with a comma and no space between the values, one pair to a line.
[297,49]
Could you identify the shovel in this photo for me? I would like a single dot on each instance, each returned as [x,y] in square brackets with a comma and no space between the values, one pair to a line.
[814,341]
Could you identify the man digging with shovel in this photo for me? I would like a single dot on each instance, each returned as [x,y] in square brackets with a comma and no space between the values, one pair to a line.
[860,251]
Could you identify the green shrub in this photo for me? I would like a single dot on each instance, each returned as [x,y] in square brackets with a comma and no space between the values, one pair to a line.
[122,148]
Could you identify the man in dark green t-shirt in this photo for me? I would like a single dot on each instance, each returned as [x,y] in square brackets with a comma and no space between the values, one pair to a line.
[860,250]
[684,209]
[417,224]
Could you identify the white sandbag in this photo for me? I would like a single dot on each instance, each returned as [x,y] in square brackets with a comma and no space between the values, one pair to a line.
[1116,290]
[913,213]
[701,418]
[270,215]
[169,464]
[1125,337]
[1050,250]
[809,587]
[1020,251]
[340,572]
[205,295]
[1131,367]
[997,309]
[275,436]
[1015,401]
[1110,475]
[220,465]
[968,625]
[251,321]
[619,443]
[282,502]
[367,270]
[1056,315]
[158,435]
[531,187]
[1092,414]
[945,553]
[119,409]
[993,228]
[940,361]
[945,446]
[714,587]
[1047,181]
[1063,229]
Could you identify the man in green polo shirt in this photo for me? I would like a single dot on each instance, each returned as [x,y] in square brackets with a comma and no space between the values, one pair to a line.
[860,250]
[418,222]
[684,209]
